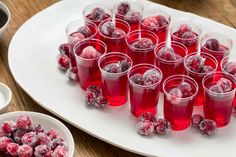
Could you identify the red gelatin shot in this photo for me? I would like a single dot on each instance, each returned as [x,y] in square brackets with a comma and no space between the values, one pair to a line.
[87,53]
[97,12]
[157,22]
[179,98]
[129,11]
[219,93]
[141,45]
[217,45]
[187,33]
[77,31]
[144,82]
[114,34]
[198,65]
[114,67]
[170,58]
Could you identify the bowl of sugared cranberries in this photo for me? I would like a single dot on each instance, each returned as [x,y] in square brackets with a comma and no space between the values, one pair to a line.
[32,134]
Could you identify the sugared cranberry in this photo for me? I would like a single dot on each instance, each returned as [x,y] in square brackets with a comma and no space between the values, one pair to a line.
[143,43]
[76,36]
[124,65]
[89,52]
[30,139]
[64,49]
[195,63]
[64,62]
[123,8]
[230,68]
[174,95]
[137,79]
[8,127]
[216,88]
[85,30]
[37,128]
[97,14]
[196,120]
[188,38]
[23,122]
[12,149]
[94,89]
[207,127]
[90,98]
[225,84]
[188,35]
[212,44]
[107,28]
[56,142]
[4,141]
[207,69]
[101,102]
[186,89]
[147,116]
[25,151]
[162,21]
[52,133]
[43,138]
[167,54]
[60,151]
[18,135]
[118,33]
[151,76]
[71,73]
[132,17]
[162,127]
[183,28]
[112,68]
[151,23]
[145,127]
[42,151]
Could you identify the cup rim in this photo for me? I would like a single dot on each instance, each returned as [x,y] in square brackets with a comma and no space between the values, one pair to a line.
[145,86]
[7,11]
[182,76]
[114,54]
[199,53]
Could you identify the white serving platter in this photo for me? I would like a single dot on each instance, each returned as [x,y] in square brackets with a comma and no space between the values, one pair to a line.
[33,62]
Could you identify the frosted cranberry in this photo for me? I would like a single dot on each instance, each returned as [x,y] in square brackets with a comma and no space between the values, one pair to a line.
[216,88]
[186,89]
[225,84]
[30,139]
[4,141]
[207,69]
[183,28]
[151,76]
[195,63]
[60,151]
[174,95]
[12,149]
[151,23]
[162,127]
[147,116]
[94,89]
[161,21]
[196,120]
[43,138]
[132,16]
[42,151]
[76,36]
[207,127]
[137,79]
[112,68]
[90,98]
[101,102]
[71,73]
[124,65]
[107,28]
[212,44]
[64,62]
[188,35]
[143,43]
[52,133]
[25,151]
[56,142]
[64,49]
[167,54]
[85,30]
[89,52]
[8,127]
[18,135]
[145,127]
[23,122]
[123,8]
[97,14]
[230,68]
[37,128]
[118,33]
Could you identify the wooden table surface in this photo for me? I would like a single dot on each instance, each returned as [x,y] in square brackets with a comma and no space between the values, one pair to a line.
[223,11]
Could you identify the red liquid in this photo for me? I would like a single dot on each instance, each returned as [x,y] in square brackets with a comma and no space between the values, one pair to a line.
[133,25]
[192,45]
[107,16]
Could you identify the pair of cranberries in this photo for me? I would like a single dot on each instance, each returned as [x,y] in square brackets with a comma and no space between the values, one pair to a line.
[223,85]
[142,43]
[206,126]
[117,67]
[149,77]
[155,22]
[23,138]
[168,53]
[147,124]
[109,29]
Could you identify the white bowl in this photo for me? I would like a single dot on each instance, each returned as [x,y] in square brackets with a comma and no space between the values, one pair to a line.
[5,97]
[47,123]
[7,11]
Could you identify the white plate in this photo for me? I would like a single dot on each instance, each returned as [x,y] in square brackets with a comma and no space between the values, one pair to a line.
[47,123]
[32,60]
